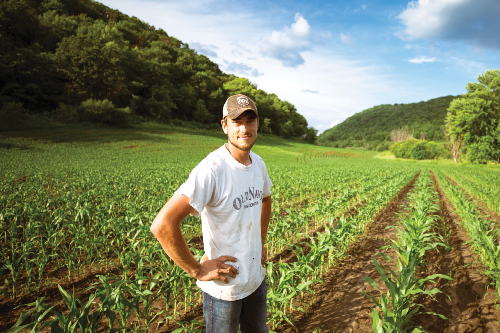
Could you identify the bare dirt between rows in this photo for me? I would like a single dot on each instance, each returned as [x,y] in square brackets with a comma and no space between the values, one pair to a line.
[470,307]
[9,313]
[339,304]
[341,307]
[485,211]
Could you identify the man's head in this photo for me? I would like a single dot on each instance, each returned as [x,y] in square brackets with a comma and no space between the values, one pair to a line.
[241,122]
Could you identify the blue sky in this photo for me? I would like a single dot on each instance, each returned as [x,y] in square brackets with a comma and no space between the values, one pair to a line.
[332,59]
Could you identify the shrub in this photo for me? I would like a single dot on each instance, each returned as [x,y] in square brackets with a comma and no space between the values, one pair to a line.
[435,150]
[403,148]
[65,113]
[383,146]
[417,149]
[480,152]
[103,111]
[12,114]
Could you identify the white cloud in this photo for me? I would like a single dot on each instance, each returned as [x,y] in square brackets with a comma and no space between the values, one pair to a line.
[256,73]
[288,44]
[475,22]
[310,91]
[321,127]
[421,60]
[346,39]
[325,34]
[240,47]
[235,67]
[241,68]
[346,86]
[207,50]
[473,68]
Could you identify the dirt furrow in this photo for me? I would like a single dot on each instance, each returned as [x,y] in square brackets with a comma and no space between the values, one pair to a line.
[485,211]
[464,301]
[339,304]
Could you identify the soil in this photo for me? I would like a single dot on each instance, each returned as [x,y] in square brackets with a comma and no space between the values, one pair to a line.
[470,306]
[485,211]
[339,304]
[9,307]
[341,307]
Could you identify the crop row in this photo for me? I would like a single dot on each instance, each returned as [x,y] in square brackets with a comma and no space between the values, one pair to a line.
[484,184]
[414,237]
[484,233]
[88,222]
[290,227]
[288,282]
[145,269]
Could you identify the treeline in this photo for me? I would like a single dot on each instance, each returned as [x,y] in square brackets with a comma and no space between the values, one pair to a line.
[79,56]
[472,127]
[473,121]
[371,128]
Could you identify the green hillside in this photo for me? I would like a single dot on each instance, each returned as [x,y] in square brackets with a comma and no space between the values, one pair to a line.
[371,128]
[80,60]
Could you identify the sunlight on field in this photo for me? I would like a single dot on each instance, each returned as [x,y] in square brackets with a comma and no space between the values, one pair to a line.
[76,205]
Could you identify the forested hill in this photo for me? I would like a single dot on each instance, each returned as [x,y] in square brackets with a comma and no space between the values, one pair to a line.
[372,127]
[80,57]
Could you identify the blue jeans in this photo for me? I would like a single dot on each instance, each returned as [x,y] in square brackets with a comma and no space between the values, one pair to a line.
[249,313]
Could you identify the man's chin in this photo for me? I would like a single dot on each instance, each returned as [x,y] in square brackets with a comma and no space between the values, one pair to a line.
[244,147]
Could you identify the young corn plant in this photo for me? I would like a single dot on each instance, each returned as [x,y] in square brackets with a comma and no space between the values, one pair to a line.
[142,301]
[14,264]
[38,311]
[113,300]
[484,235]
[414,237]
[77,319]
[283,287]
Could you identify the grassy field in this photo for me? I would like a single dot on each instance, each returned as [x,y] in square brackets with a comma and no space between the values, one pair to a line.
[76,204]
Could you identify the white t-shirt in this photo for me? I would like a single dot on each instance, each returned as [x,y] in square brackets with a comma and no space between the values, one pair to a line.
[229,196]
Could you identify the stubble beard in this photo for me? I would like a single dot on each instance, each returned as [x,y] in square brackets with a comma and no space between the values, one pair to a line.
[244,147]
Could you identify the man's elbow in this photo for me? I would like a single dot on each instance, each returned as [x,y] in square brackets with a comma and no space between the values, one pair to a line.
[155,229]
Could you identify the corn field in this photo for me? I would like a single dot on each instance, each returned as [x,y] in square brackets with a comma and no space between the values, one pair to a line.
[77,254]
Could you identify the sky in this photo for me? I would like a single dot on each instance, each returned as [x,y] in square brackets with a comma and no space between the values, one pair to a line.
[334,58]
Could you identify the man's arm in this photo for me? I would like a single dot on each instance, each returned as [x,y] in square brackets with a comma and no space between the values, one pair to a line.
[166,228]
[264,224]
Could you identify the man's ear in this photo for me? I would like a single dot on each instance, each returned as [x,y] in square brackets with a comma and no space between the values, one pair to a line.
[224,126]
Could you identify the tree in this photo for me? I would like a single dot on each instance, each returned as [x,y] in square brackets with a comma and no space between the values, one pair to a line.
[95,61]
[474,118]
[401,134]
[311,134]
[454,144]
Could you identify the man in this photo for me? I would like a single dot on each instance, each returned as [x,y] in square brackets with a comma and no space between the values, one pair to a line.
[231,190]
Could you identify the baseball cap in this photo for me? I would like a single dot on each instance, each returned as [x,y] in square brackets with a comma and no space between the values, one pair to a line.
[236,105]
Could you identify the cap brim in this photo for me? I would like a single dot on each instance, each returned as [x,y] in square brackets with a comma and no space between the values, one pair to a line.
[237,113]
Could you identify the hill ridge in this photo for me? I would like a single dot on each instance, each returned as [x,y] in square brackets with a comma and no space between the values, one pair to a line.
[371,128]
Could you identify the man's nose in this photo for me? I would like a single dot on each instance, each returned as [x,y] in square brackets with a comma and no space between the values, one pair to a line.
[243,127]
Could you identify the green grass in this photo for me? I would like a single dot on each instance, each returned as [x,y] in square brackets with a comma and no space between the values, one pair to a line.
[80,147]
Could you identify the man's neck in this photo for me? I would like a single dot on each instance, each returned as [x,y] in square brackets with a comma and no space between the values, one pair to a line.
[239,155]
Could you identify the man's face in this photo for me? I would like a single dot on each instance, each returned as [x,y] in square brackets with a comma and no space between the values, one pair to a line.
[242,131]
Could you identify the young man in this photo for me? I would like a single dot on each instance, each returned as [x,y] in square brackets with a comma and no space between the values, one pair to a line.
[231,190]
